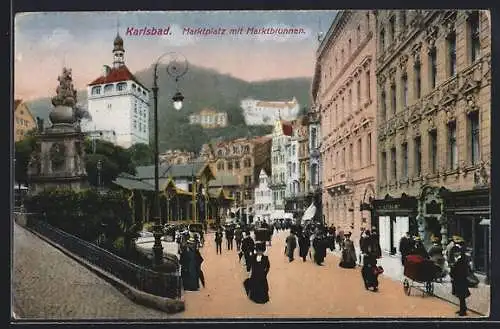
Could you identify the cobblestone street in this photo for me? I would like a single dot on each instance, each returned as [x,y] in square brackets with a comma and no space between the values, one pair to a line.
[304,290]
[49,285]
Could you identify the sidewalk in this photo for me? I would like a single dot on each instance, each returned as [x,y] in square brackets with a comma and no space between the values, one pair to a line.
[479,301]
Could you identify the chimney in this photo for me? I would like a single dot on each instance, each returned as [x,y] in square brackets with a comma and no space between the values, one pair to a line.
[105,70]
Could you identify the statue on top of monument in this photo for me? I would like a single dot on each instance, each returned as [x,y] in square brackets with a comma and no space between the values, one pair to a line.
[66,93]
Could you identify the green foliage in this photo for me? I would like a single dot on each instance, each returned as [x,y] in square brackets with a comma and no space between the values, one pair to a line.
[141,154]
[86,214]
[114,160]
[23,150]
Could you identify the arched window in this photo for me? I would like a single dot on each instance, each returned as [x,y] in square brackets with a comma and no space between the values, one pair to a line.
[109,88]
[220,152]
[247,163]
[96,90]
[220,165]
[121,86]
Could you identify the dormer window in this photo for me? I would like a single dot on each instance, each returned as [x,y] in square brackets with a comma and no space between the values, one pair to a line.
[134,86]
[121,86]
[108,88]
[96,90]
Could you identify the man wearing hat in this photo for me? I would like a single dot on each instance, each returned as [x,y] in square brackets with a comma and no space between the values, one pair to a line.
[436,255]
[459,283]
[418,247]
[247,247]
[257,287]
[238,236]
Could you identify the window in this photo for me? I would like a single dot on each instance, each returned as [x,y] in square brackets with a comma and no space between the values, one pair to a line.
[236,164]
[294,168]
[229,165]
[393,164]
[248,180]
[418,80]
[393,99]
[418,155]
[358,35]
[358,93]
[369,148]
[121,86]
[404,163]
[452,146]
[108,88]
[368,95]
[433,67]
[220,165]
[313,137]
[403,20]
[383,106]
[360,153]
[134,124]
[247,163]
[383,167]
[351,153]
[404,83]
[109,106]
[452,54]
[433,151]
[475,44]
[343,158]
[96,90]
[474,137]
[349,47]
[382,40]
[392,28]
[349,95]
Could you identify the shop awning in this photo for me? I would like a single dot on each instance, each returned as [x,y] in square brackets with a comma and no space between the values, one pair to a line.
[309,213]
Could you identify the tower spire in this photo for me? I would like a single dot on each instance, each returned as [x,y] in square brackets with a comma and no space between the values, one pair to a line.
[118,50]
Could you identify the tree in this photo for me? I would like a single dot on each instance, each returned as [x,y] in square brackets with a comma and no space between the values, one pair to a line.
[114,160]
[141,154]
[23,150]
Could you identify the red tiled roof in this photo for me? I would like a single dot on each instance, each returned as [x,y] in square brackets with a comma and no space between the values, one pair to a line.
[118,74]
[287,128]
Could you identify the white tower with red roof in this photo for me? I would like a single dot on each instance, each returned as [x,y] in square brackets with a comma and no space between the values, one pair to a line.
[118,103]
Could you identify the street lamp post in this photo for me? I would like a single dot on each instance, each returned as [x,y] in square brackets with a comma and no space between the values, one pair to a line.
[175,69]
[99,168]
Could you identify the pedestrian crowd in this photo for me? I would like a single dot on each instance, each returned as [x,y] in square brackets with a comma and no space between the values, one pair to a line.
[313,240]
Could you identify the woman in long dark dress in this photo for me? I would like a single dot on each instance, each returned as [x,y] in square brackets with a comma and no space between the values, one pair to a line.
[370,272]
[303,245]
[256,286]
[191,266]
[348,253]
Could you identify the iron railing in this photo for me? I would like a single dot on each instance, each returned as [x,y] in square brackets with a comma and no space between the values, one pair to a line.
[146,280]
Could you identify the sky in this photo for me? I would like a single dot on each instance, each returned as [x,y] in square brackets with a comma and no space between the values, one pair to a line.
[83,41]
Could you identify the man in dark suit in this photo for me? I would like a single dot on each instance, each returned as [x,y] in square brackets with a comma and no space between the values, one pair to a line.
[405,246]
[247,248]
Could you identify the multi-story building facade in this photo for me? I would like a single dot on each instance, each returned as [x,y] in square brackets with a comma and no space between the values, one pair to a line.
[242,158]
[263,206]
[209,118]
[117,101]
[346,97]
[176,157]
[282,134]
[24,120]
[259,112]
[297,168]
[434,87]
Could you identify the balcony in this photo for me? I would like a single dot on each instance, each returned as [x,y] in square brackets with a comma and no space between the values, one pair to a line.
[341,182]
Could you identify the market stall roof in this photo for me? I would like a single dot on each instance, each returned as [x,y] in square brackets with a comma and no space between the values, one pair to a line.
[129,182]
